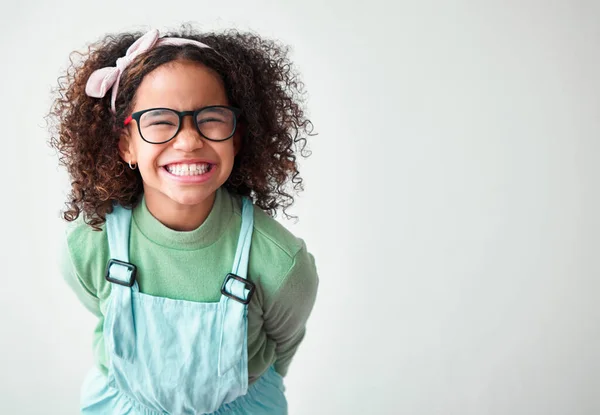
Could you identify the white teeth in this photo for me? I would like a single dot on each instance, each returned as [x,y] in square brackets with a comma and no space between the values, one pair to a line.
[188,169]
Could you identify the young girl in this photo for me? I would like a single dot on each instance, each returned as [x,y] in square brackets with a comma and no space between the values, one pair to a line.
[179,150]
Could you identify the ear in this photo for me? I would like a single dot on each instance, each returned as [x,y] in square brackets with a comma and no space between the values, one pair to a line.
[126,149]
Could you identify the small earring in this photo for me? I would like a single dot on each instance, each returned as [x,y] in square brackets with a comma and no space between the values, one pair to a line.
[132,167]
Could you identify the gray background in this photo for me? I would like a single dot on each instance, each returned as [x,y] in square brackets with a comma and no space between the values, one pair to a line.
[452,202]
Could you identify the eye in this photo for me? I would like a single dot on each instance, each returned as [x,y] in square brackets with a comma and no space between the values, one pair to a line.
[215,115]
[159,118]
[161,122]
[205,120]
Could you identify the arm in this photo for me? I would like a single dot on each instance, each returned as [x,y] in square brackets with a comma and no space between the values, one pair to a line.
[86,294]
[83,293]
[287,312]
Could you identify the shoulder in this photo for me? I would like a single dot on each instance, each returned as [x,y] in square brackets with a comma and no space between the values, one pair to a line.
[271,235]
[277,256]
[284,242]
[78,230]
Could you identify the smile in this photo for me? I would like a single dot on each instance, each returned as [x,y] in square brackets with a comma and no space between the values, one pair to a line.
[194,169]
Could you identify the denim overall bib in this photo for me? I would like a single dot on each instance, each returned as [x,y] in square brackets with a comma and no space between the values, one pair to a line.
[175,356]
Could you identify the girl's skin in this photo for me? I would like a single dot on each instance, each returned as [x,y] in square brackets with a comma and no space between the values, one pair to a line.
[180,203]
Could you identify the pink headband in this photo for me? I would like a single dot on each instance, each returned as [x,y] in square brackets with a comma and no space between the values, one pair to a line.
[101,80]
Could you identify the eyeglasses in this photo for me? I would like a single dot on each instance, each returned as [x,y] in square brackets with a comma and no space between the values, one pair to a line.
[160,125]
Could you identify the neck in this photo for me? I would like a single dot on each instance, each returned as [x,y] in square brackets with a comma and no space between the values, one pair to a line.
[177,216]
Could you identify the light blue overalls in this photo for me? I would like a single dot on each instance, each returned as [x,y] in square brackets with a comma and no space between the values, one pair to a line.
[174,356]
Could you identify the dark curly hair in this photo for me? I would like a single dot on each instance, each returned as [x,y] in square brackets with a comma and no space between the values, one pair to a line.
[259,79]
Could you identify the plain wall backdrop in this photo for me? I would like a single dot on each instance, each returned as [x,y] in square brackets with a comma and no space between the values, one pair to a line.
[451,201]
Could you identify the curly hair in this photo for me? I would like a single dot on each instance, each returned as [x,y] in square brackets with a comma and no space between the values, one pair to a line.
[259,79]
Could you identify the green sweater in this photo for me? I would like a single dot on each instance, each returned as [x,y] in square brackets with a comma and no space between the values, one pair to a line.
[192,266]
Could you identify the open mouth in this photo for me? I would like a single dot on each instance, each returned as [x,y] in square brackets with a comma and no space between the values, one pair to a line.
[193,169]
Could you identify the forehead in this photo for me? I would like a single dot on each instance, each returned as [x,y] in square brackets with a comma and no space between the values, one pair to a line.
[181,85]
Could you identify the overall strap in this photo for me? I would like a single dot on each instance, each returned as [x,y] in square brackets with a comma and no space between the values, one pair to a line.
[242,255]
[237,292]
[122,274]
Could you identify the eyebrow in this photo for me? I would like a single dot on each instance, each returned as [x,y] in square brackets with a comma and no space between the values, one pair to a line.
[218,109]
[157,112]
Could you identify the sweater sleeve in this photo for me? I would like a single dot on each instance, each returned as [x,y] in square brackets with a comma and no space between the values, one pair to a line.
[288,310]
[85,295]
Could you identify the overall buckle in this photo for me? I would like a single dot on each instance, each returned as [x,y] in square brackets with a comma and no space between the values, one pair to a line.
[250,286]
[132,268]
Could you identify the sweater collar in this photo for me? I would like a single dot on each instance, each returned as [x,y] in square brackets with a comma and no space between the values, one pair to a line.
[206,234]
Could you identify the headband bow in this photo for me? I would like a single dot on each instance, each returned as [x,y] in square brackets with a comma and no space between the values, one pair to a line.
[103,79]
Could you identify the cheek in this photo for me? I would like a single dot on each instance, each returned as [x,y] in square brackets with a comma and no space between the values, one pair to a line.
[226,152]
[148,156]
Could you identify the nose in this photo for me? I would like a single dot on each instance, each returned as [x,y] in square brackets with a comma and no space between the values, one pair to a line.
[188,139]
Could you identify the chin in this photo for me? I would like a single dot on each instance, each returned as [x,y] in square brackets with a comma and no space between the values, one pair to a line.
[190,198]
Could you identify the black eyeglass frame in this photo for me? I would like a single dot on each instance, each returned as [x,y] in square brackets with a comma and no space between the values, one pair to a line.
[137,115]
